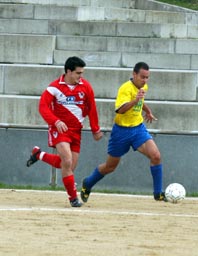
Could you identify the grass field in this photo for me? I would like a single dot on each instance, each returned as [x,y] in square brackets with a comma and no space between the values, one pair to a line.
[191,4]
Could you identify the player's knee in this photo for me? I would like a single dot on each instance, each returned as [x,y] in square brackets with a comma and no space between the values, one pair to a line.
[66,162]
[106,169]
[110,168]
[156,157]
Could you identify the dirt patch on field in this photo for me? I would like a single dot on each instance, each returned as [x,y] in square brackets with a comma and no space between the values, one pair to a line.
[43,223]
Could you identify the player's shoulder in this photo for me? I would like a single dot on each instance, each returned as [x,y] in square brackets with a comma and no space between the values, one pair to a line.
[125,85]
[85,85]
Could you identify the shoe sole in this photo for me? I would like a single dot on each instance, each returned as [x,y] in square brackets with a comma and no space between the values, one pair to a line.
[82,194]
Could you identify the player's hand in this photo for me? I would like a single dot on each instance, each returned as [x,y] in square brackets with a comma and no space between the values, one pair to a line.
[98,135]
[149,118]
[140,95]
[61,126]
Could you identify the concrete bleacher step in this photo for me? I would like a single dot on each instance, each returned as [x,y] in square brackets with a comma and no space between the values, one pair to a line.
[126,29]
[163,84]
[99,51]
[123,44]
[27,48]
[104,35]
[98,28]
[88,13]
[125,59]
[136,4]
[120,52]
[172,116]
[98,3]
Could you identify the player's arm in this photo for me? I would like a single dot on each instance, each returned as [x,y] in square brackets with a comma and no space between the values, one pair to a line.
[45,109]
[93,115]
[128,105]
[149,117]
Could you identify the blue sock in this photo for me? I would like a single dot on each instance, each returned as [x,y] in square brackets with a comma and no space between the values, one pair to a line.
[91,180]
[156,172]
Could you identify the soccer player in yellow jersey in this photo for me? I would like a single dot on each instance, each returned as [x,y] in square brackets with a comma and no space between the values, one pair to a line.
[130,131]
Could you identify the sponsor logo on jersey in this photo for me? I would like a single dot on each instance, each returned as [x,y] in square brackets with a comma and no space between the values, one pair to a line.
[70,100]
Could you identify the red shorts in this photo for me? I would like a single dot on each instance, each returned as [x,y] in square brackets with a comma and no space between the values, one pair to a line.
[71,136]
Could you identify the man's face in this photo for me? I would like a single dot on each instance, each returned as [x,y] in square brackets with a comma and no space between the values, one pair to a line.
[74,76]
[141,78]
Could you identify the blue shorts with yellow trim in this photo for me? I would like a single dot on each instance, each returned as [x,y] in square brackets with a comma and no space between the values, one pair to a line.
[122,138]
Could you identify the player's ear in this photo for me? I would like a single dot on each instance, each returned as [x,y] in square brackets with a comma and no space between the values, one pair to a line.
[134,74]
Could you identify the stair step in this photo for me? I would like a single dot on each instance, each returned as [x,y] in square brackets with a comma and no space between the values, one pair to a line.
[123,44]
[98,28]
[127,59]
[23,110]
[88,13]
[163,84]
[96,3]
[27,48]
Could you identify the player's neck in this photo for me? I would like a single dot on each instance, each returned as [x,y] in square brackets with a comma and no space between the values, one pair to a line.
[134,83]
[69,81]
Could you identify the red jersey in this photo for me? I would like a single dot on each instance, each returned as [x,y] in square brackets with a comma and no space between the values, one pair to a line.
[70,104]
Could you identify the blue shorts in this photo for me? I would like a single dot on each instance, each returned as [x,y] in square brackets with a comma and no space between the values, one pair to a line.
[122,138]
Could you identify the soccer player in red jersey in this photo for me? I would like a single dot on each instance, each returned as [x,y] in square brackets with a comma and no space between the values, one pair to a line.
[64,105]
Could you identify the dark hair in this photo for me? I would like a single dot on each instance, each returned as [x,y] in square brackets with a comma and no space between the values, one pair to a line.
[140,65]
[73,62]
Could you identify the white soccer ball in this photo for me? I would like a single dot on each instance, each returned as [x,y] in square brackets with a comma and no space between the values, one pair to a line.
[175,193]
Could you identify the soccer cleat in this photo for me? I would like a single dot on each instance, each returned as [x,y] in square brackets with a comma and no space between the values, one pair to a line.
[85,192]
[33,159]
[76,202]
[160,197]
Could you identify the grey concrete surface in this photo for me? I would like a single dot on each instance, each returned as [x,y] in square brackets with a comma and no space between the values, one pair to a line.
[128,59]
[26,48]
[194,64]
[16,11]
[163,85]
[101,11]
[93,59]
[1,78]
[189,46]
[123,44]
[24,26]
[172,116]
[117,3]
[132,174]
[160,60]
[128,29]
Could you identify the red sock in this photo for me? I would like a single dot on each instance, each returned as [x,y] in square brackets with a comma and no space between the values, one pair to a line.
[51,159]
[70,186]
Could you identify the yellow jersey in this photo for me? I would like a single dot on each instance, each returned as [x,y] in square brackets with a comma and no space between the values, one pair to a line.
[126,93]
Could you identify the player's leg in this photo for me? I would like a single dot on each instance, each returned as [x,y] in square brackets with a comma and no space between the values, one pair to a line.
[118,146]
[37,154]
[99,173]
[75,157]
[150,149]
[67,165]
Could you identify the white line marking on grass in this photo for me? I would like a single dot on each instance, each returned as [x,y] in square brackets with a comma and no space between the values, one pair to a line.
[102,212]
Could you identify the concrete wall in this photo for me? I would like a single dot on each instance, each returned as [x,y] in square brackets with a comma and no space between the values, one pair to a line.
[132,175]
